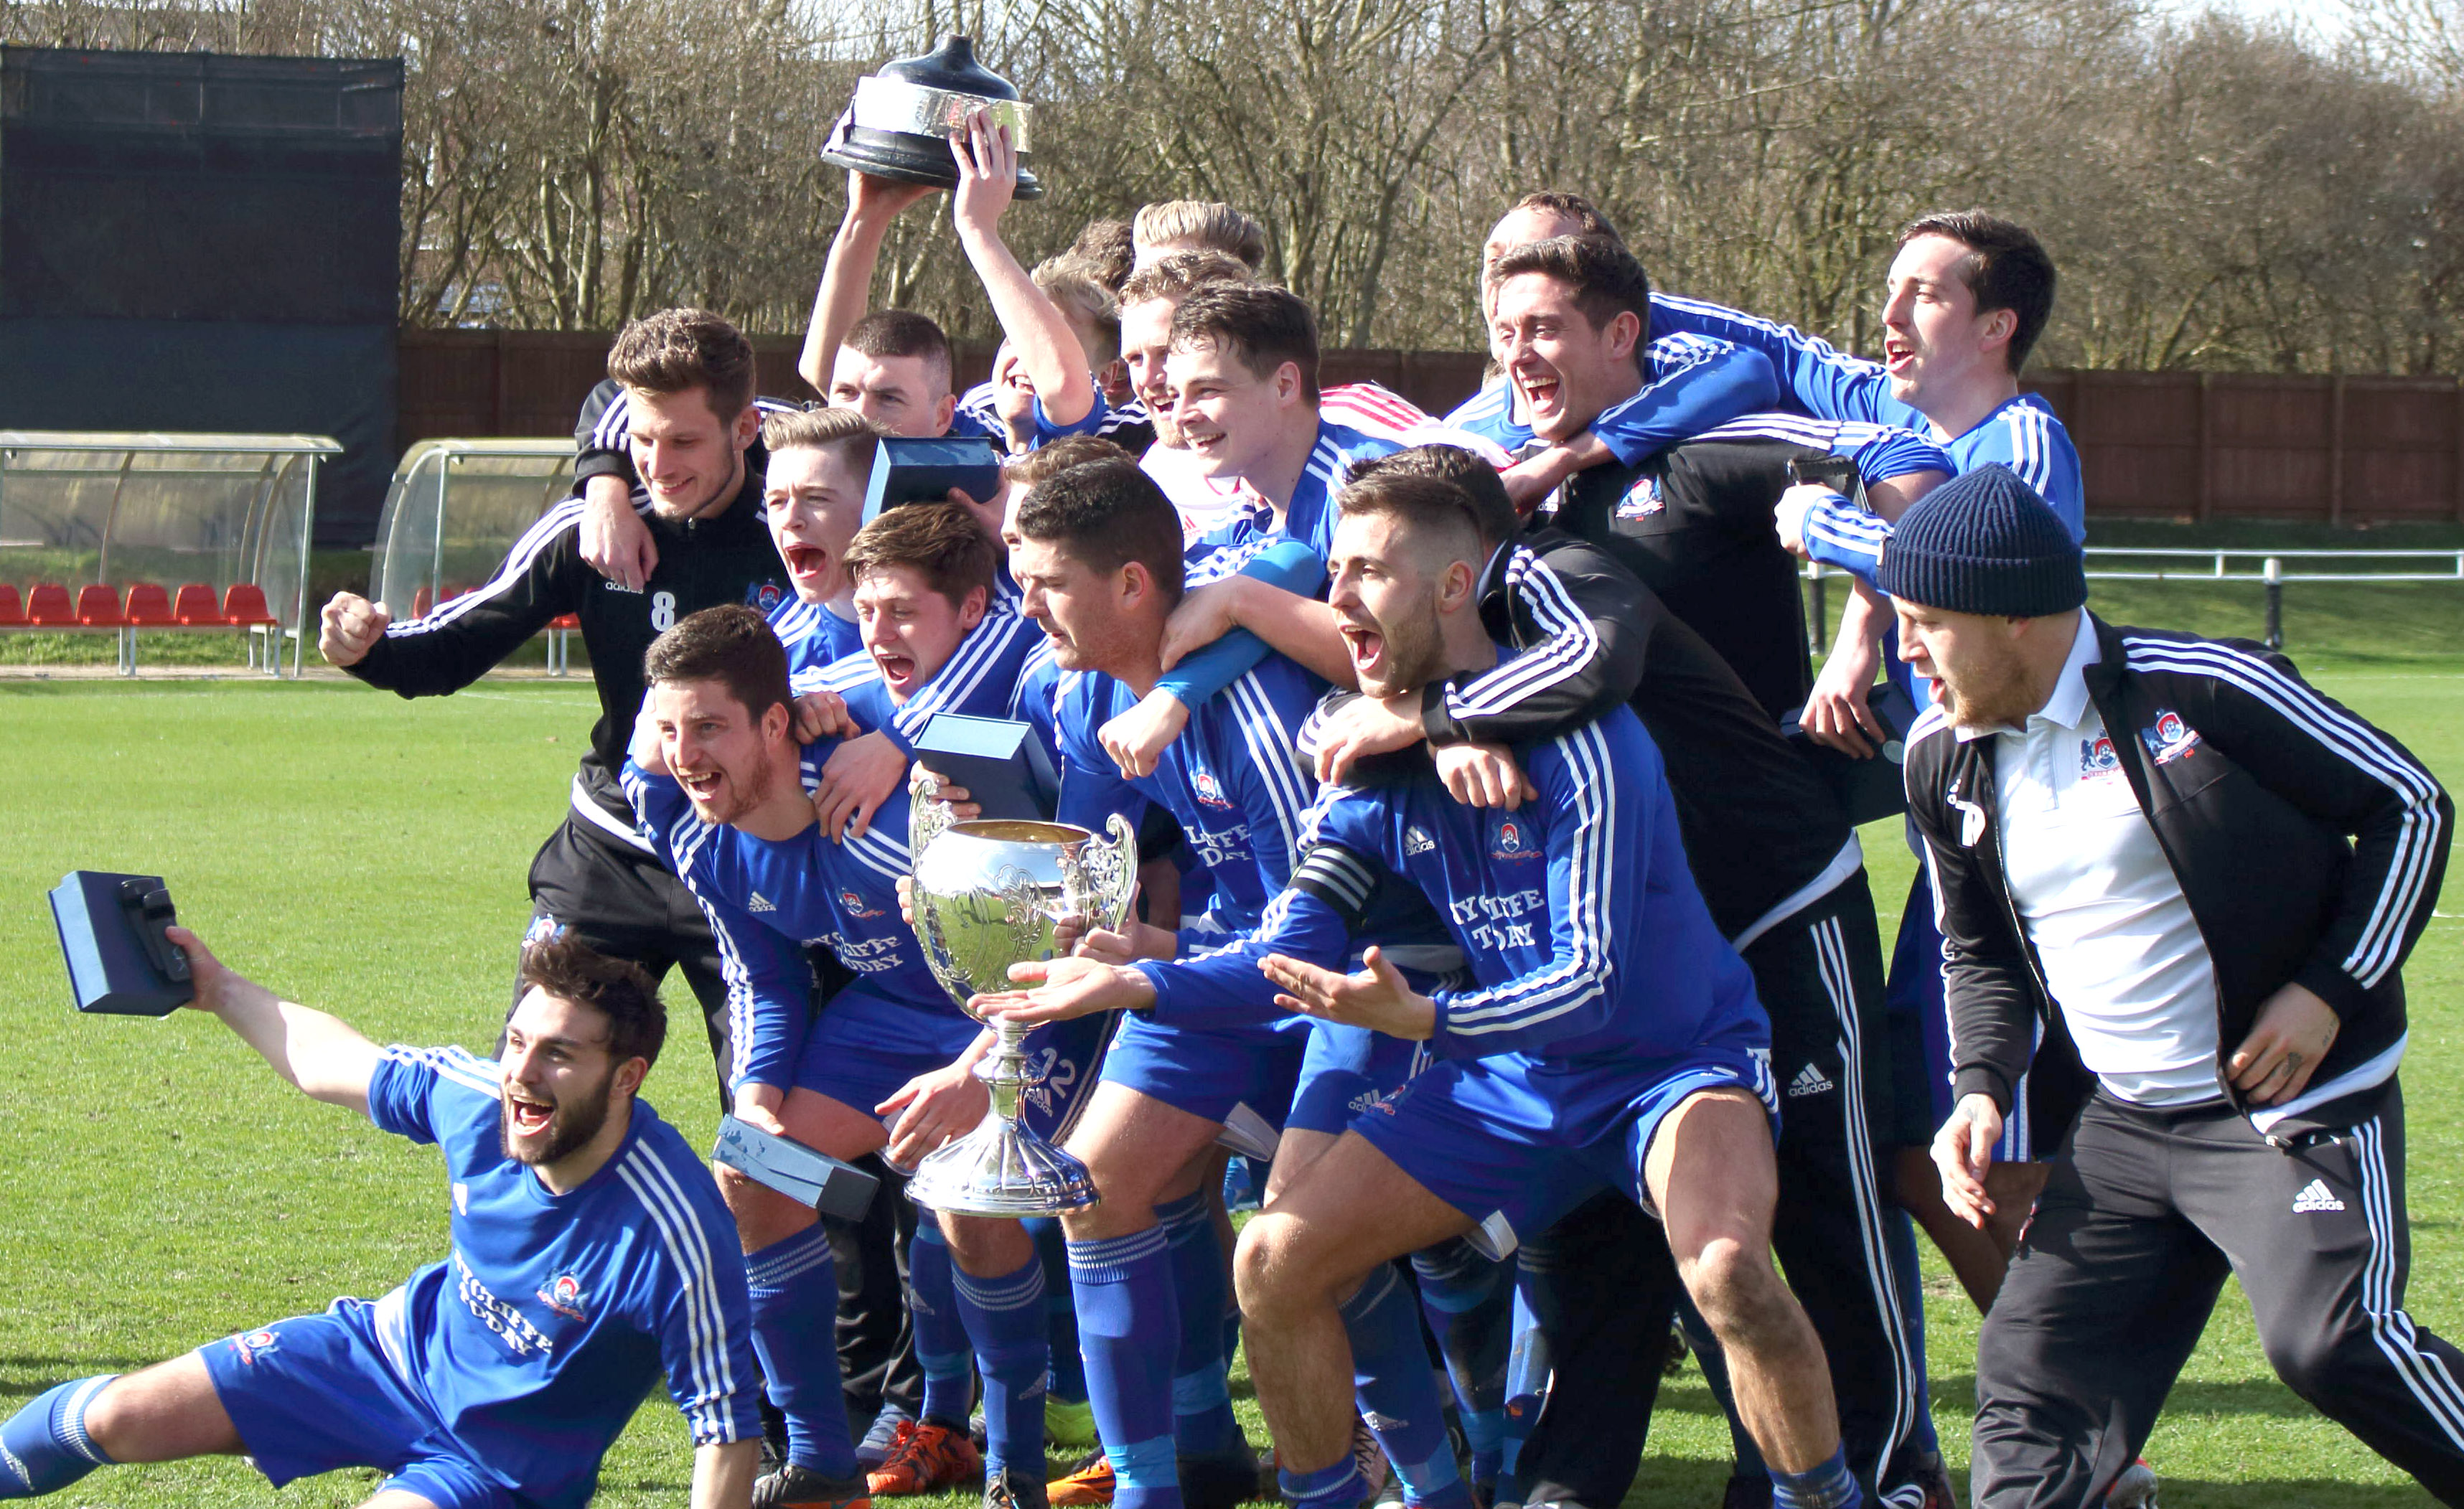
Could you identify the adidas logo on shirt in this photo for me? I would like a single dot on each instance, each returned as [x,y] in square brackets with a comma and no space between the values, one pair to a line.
[1809,1080]
[1416,841]
[758,904]
[2316,1197]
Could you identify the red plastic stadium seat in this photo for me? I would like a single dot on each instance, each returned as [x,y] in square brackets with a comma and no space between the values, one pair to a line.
[565,620]
[12,608]
[244,605]
[196,606]
[149,606]
[48,606]
[98,607]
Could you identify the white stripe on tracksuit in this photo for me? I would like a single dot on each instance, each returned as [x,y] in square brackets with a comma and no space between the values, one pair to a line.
[1255,713]
[2391,1326]
[1907,1372]
[1571,644]
[565,516]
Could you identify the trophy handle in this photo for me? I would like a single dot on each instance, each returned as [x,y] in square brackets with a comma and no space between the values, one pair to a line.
[928,818]
[1111,871]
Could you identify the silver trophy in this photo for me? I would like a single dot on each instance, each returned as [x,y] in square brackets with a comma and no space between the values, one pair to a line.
[988,894]
[899,124]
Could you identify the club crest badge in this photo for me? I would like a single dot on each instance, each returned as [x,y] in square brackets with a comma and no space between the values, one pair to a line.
[1513,843]
[2098,756]
[1640,500]
[253,1344]
[854,905]
[1210,791]
[763,596]
[2170,739]
[564,1296]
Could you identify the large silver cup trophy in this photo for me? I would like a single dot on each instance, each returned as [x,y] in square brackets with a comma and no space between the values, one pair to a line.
[988,894]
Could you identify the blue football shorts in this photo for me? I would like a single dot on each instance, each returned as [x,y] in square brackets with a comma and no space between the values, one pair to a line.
[1243,1076]
[1348,1069]
[315,1393]
[1509,1137]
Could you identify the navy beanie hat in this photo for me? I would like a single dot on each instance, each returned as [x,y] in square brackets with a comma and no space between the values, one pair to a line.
[1984,542]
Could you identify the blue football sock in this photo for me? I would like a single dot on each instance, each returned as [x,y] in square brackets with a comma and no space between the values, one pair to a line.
[1829,1486]
[1397,1393]
[795,1292]
[940,1338]
[1202,1393]
[1899,1242]
[1468,1301]
[44,1447]
[1068,1379]
[1337,1487]
[1004,1315]
[1129,1328]
[1527,1383]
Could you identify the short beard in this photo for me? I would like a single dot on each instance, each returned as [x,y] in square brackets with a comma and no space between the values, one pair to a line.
[749,793]
[1416,657]
[1996,695]
[570,1125]
[1166,433]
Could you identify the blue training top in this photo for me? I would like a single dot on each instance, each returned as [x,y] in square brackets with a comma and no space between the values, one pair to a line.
[814,638]
[767,901]
[1691,383]
[1310,518]
[538,1337]
[1576,913]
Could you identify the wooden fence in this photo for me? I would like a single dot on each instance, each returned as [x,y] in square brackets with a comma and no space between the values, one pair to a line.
[2186,446]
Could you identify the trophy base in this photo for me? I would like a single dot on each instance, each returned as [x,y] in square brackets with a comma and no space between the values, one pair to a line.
[1001,1169]
[908,160]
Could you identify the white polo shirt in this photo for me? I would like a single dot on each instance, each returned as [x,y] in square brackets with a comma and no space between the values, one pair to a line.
[2121,952]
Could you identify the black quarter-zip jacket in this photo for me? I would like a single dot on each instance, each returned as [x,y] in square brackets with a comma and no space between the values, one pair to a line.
[2309,844]
[721,557]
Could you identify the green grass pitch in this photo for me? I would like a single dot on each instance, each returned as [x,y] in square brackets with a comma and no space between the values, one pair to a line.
[367,855]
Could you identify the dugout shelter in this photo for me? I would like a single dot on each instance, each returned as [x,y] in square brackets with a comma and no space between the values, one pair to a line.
[123,532]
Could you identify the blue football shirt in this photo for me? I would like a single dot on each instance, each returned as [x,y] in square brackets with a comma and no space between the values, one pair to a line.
[541,1332]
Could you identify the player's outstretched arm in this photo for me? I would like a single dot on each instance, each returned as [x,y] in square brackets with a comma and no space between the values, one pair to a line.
[723,1474]
[320,1054]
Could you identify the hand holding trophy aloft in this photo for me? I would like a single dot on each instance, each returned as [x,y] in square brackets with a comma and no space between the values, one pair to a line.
[899,124]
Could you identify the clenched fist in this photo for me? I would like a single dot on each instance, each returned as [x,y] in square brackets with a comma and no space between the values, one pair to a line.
[349,627]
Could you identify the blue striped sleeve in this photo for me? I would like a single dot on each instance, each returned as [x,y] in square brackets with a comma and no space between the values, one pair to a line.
[1575,991]
[1695,384]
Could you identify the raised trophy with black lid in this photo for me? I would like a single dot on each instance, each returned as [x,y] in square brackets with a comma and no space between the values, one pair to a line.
[900,123]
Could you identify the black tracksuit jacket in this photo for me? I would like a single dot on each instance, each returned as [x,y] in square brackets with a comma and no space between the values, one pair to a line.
[2309,844]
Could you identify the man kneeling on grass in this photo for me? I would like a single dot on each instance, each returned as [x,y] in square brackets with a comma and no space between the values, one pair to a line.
[1613,1039]
[590,1254]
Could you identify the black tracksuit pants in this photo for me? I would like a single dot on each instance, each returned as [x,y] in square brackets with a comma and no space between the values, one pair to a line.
[625,903]
[1819,974]
[2144,1213]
